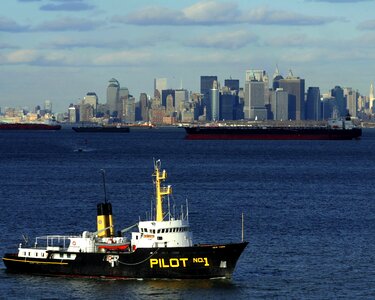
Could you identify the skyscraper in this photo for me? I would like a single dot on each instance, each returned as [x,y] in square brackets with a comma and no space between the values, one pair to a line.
[313,104]
[232,84]
[214,112]
[351,101]
[160,84]
[206,85]
[338,93]
[48,106]
[279,105]
[254,106]
[113,98]
[371,97]
[295,87]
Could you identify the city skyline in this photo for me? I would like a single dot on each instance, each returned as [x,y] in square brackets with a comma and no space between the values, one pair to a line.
[59,50]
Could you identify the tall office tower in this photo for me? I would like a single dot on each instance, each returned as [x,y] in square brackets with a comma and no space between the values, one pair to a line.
[295,87]
[181,97]
[169,106]
[113,98]
[160,84]
[229,102]
[351,101]
[123,98]
[338,93]
[313,104]
[129,110]
[232,84]
[73,114]
[48,106]
[328,106]
[165,94]
[206,85]
[371,97]
[213,109]
[279,105]
[86,112]
[254,106]
[144,107]
[92,99]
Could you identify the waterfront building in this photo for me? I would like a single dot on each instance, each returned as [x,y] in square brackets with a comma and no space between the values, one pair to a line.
[254,106]
[295,87]
[205,87]
[113,98]
[351,97]
[232,84]
[160,84]
[92,99]
[313,104]
[169,107]
[371,98]
[213,109]
[47,106]
[128,110]
[144,107]
[328,106]
[86,112]
[73,114]
[165,94]
[338,93]
[279,105]
[229,101]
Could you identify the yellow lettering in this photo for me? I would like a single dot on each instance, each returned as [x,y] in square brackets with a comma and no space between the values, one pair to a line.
[206,262]
[164,265]
[174,262]
[195,260]
[153,261]
[183,261]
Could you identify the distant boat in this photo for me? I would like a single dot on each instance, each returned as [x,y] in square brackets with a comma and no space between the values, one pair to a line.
[342,129]
[102,128]
[29,126]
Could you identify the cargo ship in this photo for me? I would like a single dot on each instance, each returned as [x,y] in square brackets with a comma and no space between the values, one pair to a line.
[29,126]
[342,129]
[160,247]
[102,128]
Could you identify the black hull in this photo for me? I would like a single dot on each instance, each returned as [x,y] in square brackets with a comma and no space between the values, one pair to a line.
[197,262]
[102,129]
[276,133]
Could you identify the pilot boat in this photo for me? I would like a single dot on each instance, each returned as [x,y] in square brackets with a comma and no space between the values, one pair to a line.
[161,247]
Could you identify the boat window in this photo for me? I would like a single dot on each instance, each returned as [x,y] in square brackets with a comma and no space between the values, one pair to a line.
[68,255]
[160,238]
[24,253]
[29,254]
[162,231]
[145,229]
[61,255]
[42,254]
[158,231]
[36,254]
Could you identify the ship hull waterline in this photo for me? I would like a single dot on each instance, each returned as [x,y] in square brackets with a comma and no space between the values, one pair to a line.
[265,134]
[197,262]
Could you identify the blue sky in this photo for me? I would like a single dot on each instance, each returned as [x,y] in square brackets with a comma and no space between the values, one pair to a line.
[61,49]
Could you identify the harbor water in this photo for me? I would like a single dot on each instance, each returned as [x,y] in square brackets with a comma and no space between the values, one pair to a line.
[309,209]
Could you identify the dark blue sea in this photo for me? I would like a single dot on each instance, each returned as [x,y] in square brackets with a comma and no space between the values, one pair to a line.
[308,205]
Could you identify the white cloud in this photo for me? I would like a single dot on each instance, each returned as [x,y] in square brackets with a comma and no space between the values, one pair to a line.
[123,58]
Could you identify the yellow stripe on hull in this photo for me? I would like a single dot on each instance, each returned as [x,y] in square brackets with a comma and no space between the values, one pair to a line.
[35,262]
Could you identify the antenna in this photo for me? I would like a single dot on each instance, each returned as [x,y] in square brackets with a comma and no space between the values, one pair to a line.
[242,233]
[104,186]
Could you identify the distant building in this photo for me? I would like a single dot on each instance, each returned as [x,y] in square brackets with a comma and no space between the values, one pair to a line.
[205,87]
[313,104]
[160,84]
[371,98]
[351,101]
[47,106]
[92,99]
[254,108]
[214,105]
[295,87]
[229,102]
[232,84]
[165,94]
[144,107]
[73,114]
[338,93]
[279,105]
[113,98]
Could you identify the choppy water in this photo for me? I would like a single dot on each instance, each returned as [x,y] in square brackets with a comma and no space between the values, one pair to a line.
[309,209]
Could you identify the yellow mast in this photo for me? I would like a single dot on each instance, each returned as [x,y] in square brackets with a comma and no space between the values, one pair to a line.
[160,191]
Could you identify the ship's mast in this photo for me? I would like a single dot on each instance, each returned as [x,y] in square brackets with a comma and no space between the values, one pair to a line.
[160,191]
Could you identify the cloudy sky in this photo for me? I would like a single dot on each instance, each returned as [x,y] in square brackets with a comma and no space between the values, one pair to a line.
[61,49]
